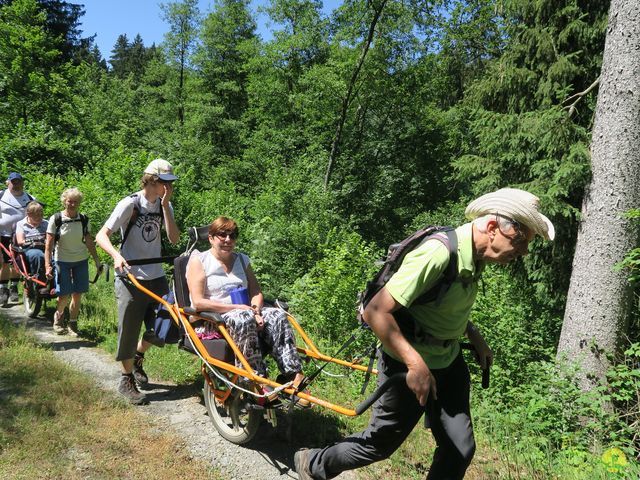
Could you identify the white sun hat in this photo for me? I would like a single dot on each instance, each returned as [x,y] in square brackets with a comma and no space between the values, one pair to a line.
[519,205]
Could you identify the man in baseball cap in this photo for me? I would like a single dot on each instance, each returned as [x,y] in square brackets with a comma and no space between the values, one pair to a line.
[13,202]
[140,218]
[162,169]
[421,338]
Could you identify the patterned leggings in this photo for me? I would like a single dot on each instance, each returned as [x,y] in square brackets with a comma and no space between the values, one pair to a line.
[277,334]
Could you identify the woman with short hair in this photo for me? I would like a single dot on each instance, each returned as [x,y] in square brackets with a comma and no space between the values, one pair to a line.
[69,233]
[31,233]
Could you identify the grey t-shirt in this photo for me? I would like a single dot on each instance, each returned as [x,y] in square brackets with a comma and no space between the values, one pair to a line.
[144,239]
[32,235]
[11,211]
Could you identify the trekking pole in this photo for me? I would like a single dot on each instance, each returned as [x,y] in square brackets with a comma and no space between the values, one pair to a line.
[485,371]
[102,267]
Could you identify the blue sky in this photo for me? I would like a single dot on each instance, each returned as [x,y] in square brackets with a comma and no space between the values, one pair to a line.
[110,18]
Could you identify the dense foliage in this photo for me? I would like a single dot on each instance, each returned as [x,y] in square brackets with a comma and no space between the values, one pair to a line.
[453,98]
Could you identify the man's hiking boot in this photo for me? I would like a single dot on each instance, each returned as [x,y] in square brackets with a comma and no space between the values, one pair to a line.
[58,323]
[301,463]
[13,294]
[128,389]
[4,296]
[139,374]
[72,328]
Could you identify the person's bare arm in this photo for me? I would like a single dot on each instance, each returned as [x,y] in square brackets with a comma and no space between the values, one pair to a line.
[104,242]
[173,233]
[20,238]
[48,254]
[484,354]
[379,316]
[196,283]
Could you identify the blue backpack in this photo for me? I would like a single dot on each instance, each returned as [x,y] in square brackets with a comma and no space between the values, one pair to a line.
[163,325]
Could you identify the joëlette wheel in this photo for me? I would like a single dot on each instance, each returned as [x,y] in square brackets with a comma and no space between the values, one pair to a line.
[232,419]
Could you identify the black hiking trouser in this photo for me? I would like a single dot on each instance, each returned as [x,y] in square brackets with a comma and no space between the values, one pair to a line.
[394,416]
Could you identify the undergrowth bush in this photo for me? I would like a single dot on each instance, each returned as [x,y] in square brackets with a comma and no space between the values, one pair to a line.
[550,425]
[326,297]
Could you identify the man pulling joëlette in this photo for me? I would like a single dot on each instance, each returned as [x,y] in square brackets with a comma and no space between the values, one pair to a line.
[438,382]
[13,203]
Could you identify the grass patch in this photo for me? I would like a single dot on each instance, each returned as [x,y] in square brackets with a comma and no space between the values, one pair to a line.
[54,423]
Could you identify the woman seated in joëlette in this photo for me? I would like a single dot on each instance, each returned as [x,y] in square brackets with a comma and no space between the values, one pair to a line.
[212,275]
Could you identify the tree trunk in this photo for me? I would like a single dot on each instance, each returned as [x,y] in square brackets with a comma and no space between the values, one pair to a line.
[600,299]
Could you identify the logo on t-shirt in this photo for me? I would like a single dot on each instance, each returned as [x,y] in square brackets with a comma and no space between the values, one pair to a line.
[149,225]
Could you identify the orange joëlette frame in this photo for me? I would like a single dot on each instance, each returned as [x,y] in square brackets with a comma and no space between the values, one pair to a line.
[22,268]
[312,351]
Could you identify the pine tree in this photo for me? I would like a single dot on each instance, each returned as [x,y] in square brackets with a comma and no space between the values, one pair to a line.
[120,59]
[600,297]
[183,19]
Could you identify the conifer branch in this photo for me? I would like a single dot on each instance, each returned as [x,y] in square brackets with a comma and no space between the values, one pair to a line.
[578,96]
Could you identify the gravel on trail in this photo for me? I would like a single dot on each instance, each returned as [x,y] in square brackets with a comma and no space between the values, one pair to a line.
[176,409]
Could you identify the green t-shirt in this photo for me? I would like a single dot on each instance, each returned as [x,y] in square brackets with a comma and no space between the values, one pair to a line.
[421,269]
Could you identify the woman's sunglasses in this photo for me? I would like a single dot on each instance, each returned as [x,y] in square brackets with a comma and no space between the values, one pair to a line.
[224,235]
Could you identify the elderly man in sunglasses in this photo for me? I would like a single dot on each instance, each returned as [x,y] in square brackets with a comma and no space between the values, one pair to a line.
[140,218]
[438,383]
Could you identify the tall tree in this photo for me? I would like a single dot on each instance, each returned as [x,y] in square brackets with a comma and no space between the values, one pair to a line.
[228,42]
[119,59]
[27,54]
[600,298]
[62,23]
[183,19]
[137,57]
[377,8]
[519,133]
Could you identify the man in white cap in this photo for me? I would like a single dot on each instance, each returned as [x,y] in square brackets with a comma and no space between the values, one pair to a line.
[438,382]
[13,203]
[140,218]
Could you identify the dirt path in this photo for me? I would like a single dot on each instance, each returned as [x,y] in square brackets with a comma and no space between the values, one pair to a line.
[177,409]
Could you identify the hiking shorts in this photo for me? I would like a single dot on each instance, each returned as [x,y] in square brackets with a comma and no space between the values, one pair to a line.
[134,307]
[72,277]
[6,241]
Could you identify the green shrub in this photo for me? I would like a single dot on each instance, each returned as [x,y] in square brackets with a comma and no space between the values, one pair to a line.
[326,297]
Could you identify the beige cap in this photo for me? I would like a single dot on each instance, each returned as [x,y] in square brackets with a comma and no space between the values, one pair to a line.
[161,168]
[516,204]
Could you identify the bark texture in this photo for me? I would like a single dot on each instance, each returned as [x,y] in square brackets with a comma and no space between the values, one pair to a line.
[600,299]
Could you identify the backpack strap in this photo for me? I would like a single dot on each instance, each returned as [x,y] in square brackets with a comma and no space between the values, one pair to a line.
[57,220]
[408,326]
[439,290]
[132,219]
[84,219]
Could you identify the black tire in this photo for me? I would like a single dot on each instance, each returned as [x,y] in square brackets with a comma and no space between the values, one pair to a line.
[31,299]
[232,419]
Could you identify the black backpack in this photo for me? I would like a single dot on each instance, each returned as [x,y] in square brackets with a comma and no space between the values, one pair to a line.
[58,221]
[395,256]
